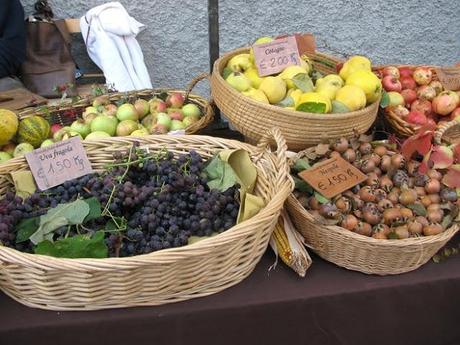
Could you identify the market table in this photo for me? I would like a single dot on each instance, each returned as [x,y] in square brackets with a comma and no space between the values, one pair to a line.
[329,306]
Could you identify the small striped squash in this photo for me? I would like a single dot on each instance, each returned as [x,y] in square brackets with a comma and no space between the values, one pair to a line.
[8,125]
[33,130]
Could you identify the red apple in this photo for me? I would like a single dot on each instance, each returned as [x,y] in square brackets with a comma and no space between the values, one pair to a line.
[426,92]
[423,75]
[405,72]
[176,115]
[175,100]
[391,83]
[445,103]
[416,118]
[409,96]
[391,71]
[55,127]
[408,82]
[421,105]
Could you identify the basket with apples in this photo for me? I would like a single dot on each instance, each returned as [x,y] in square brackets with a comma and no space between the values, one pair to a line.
[415,97]
[135,113]
[320,98]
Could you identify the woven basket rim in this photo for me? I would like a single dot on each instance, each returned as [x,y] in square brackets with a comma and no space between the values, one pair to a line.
[190,249]
[293,113]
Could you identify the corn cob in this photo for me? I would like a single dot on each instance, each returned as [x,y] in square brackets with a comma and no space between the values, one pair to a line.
[287,243]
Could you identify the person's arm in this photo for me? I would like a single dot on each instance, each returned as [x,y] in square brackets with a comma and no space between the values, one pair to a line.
[12,37]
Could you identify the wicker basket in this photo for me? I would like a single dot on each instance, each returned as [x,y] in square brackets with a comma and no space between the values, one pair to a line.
[361,253]
[300,129]
[165,276]
[65,115]
[398,125]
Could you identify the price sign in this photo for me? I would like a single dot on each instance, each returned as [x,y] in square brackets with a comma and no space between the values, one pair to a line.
[275,56]
[449,77]
[57,163]
[333,176]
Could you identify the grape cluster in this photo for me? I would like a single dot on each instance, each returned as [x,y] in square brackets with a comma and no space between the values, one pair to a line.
[160,201]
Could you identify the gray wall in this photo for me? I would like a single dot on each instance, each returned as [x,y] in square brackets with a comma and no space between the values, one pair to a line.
[175,43]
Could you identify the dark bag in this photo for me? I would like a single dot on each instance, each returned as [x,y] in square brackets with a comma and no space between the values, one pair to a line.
[49,63]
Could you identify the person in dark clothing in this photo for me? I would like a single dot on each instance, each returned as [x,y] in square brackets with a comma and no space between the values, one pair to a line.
[12,39]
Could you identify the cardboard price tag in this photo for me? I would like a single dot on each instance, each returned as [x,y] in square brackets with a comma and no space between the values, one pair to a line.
[273,57]
[333,176]
[449,77]
[57,163]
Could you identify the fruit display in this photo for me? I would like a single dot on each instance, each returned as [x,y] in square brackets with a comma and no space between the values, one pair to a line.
[100,120]
[302,88]
[142,203]
[415,96]
[401,198]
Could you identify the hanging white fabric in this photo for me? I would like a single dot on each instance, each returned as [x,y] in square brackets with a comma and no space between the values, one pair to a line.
[110,34]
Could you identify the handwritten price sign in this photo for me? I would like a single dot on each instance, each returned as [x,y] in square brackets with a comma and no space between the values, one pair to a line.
[333,176]
[57,163]
[275,56]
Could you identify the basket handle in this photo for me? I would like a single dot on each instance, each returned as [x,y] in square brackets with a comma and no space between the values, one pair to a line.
[195,81]
[274,134]
[442,129]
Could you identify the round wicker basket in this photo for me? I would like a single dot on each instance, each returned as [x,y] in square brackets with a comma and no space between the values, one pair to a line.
[165,276]
[300,129]
[361,253]
[66,114]
[398,125]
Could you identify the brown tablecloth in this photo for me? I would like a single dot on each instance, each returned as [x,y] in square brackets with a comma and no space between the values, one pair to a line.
[329,306]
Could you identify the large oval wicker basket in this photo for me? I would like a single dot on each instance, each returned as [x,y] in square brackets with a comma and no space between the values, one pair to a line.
[361,253]
[165,276]
[66,114]
[300,129]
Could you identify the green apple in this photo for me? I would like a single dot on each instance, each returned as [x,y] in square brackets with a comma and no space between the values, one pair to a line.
[126,127]
[127,112]
[190,120]
[81,127]
[191,110]
[4,156]
[47,142]
[238,81]
[104,123]
[164,120]
[395,98]
[22,149]
[97,135]
[176,125]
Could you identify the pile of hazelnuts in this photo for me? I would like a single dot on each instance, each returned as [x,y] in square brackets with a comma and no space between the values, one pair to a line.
[395,202]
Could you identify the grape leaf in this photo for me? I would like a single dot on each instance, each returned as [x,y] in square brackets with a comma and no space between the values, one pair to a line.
[303,82]
[301,185]
[321,198]
[95,210]
[63,214]
[79,246]
[339,107]
[220,174]
[26,228]
[226,72]
[301,165]
[312,107]
[446,221]
[418,208]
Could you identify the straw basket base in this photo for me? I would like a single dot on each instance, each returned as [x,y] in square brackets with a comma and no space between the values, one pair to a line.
[365,254]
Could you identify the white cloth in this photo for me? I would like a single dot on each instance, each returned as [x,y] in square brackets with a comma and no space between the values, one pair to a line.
[110,33]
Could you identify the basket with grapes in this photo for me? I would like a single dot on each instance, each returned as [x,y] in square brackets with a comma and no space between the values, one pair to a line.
[153,224]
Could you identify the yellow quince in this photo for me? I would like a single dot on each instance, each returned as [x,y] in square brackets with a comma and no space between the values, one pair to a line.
[352,96]
[368,82]
[353,64]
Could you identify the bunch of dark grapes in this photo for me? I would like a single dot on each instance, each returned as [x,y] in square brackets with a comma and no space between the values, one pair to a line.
[163,200]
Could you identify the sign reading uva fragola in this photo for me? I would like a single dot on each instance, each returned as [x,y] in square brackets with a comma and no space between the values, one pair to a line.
[273,57]
[333,176]
[57,163]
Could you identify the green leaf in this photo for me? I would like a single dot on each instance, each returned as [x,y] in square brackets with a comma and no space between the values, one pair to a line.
[63,214]
[321,198]
[303,82]
[312,107]
[339,107]
[301,165]
[419,209]
[26,228]
[79,246]
[301,185]
[393,236]
[446,221]
[226,72]
[220,174]
[385,101]
[288,101]
[44,231]
[315,75]
[95,209]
